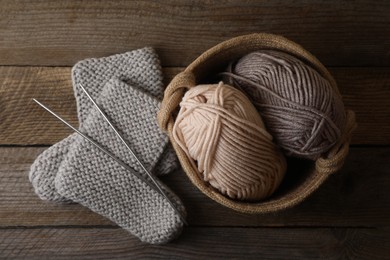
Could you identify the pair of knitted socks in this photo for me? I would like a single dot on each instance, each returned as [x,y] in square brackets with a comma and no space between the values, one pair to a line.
[127,86]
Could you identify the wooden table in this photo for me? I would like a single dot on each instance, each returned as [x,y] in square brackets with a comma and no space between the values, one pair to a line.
[348,217]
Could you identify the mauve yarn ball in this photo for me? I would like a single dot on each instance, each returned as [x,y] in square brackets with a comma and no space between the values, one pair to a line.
[299,107]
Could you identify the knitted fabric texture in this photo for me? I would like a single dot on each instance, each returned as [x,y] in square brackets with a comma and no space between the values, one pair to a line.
[95,180]
[139,67]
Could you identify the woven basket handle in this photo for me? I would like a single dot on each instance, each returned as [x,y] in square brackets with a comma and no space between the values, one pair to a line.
[335,158]
[173,95]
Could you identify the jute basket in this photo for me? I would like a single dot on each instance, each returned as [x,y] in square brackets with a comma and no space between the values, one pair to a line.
[304,176]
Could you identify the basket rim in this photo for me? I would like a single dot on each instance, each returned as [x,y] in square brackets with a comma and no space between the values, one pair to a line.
[257,41]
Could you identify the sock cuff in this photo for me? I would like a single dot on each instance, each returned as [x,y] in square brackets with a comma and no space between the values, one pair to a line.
[140,68]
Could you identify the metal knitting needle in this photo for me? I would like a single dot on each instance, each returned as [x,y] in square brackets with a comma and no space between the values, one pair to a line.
[90,140]
[112,156]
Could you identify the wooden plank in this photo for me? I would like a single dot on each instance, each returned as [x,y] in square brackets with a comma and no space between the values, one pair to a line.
[355,197]
[20,115]
[58,33]
[198,243]
[25,123]
[365,90]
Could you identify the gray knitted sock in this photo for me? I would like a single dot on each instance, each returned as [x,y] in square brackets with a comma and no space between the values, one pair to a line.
[93,179]
[140,68]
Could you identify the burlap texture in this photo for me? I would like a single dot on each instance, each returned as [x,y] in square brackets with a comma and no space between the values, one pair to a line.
[214,60]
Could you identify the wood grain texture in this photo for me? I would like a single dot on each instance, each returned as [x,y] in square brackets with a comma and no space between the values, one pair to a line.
[198,243]
[58,33]
[355,197]
[365,90]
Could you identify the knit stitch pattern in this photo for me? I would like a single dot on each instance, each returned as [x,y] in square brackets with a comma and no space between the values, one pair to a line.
[93,179]
[141,68]
[44,170]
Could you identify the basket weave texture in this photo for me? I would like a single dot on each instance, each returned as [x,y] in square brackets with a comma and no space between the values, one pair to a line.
[215,60]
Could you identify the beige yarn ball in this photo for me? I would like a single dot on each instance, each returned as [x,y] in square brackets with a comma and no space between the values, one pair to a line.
[219,128]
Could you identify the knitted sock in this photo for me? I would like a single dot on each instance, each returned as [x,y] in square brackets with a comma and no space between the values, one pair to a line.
[140,68]
[93,179]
